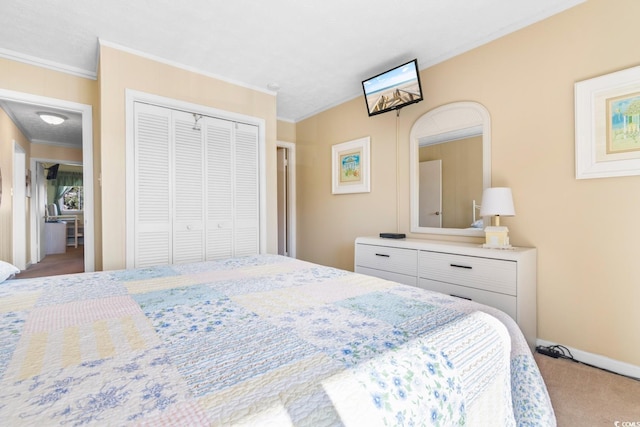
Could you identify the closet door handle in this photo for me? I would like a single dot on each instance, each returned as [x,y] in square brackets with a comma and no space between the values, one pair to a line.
[461,297]
[468,267]
[384,255]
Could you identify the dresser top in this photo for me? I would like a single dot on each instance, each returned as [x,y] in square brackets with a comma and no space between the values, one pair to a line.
[460,248]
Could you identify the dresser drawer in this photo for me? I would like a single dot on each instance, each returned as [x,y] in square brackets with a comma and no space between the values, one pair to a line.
[506,303]
[395,260]
[475,272]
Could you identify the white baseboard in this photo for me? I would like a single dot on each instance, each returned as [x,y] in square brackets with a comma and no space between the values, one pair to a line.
[603,362]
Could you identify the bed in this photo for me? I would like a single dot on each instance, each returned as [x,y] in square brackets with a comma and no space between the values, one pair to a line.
[259,340]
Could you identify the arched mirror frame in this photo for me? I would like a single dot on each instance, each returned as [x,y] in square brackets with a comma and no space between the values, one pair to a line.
[451,119]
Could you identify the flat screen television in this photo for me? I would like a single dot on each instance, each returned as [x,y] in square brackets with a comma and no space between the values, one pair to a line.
[393,89]
[52,172]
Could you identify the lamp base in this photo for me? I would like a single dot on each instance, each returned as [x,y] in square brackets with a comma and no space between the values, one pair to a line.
[496,237]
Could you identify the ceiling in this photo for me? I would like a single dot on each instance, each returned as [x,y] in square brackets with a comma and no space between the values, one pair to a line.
[25,116]
[312,54]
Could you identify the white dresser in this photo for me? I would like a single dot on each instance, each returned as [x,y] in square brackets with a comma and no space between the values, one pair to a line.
[504,279]
[55,237]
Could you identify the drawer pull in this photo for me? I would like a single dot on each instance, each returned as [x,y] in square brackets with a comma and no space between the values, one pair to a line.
[461,266]
[458,296]
[384,255]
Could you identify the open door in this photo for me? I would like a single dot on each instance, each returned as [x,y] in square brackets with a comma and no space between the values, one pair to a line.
[283,202]
[19,207]
[286,160]
[39,211]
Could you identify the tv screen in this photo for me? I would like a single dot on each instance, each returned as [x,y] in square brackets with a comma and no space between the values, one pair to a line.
[52,173]
[393,89]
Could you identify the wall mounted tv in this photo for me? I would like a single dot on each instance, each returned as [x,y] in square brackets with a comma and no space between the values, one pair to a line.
[52,173]
[393,89]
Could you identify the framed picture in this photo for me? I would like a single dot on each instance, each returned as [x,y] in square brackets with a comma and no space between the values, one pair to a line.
[607,122]
[350,167]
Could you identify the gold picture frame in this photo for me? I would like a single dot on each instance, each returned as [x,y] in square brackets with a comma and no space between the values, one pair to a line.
[350,167]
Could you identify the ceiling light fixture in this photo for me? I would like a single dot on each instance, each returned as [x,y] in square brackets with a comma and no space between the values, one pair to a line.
[52,118]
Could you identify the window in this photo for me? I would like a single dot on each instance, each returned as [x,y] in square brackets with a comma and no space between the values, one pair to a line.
[73,199]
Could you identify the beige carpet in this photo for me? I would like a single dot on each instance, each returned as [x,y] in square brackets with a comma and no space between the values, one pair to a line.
[585,396]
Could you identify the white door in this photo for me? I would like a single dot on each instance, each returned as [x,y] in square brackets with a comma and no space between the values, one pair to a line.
[246,227]
[219,134]
[152,183]
[232,189]
[281,156]
[188,190]
[40,188]
[430,197]
[196,188]
[19,208]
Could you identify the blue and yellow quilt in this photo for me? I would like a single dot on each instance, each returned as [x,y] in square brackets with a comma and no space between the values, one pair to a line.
[254,341]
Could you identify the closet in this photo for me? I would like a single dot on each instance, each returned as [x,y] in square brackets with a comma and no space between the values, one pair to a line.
[196,187]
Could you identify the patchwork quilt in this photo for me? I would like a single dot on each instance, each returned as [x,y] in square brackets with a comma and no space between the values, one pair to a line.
[261,340]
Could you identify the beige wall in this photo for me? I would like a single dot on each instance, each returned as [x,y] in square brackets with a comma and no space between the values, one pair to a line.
[119,71]
[52,152]
[585,230]
[9,133]
[28,79]
[286,131]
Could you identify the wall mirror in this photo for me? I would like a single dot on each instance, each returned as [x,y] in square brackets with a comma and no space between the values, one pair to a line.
[450,166]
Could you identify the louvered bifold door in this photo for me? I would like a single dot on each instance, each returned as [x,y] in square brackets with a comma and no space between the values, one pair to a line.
[246,192]
[188,223]
[219,188]
[152,223]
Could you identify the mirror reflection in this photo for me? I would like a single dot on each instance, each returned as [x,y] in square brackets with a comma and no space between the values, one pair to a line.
[450,162]
[450,183]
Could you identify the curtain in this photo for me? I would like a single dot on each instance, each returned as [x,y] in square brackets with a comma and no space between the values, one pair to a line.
[63,183]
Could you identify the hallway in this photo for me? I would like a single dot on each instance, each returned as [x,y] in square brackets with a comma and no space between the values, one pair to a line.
[72,261]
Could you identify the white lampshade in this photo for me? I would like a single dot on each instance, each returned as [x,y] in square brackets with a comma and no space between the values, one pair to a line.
[497,201]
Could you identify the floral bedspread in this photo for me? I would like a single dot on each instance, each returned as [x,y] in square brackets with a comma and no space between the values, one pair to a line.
[254,341]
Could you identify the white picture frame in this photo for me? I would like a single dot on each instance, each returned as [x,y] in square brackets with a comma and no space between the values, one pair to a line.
[350,167]
[607,140]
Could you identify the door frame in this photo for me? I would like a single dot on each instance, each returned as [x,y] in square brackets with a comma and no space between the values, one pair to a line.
[87,167]
[291,199]
[19,208]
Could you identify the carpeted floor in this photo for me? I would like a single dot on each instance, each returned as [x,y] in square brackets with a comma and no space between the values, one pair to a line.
[585,396]
[72,261]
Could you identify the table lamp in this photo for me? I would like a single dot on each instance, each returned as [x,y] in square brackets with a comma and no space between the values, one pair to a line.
[497,202]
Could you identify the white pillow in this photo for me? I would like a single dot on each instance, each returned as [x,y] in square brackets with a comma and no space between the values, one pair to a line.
[7,271]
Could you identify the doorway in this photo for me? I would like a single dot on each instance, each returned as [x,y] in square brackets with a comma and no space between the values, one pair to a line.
[286,161]
[33,233]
